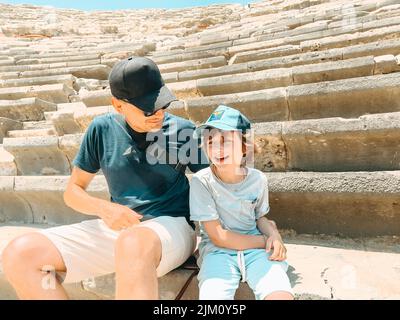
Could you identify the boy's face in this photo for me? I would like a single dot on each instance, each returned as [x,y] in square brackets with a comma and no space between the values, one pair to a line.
[224,148]
[136,118]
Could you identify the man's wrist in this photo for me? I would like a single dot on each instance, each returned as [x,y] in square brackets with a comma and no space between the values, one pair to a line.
[98,205]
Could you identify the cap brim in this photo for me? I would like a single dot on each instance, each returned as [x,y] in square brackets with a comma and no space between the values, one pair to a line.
[155,100]
[215,125]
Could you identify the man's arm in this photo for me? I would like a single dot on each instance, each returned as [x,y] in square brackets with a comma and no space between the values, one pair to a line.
[116,216]
[232,240]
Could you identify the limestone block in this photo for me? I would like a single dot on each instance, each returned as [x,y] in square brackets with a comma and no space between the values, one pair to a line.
[193,64]
[37,155]
[96,97]
[346,98]
[6,125]
[250,81]
[25,109]
[261,105]
[385,64]
[7,164]
[56,93]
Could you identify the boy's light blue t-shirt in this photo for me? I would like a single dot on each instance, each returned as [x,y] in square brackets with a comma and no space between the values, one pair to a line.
[237,206]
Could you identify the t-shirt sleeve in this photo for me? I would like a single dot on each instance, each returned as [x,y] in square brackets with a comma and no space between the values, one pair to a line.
[202,204]
[87,157]
[262,206]
[200,159]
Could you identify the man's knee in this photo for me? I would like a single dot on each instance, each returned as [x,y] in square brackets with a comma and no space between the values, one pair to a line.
[142,245]
[21,254]
[279,295]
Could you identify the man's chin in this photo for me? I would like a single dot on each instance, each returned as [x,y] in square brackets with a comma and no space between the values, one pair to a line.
[155,129]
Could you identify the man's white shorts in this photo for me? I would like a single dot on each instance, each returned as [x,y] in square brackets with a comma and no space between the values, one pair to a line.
[87,248]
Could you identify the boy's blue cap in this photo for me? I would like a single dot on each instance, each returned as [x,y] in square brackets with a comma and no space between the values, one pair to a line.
[224,118]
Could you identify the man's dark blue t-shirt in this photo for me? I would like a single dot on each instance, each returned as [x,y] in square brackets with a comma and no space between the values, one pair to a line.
[136,177]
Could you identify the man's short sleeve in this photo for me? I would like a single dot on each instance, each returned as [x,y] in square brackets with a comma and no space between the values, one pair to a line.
[262,206]
[87,157]
[200,159]
[202,205]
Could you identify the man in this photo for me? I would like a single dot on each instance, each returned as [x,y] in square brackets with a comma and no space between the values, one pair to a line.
[143,232]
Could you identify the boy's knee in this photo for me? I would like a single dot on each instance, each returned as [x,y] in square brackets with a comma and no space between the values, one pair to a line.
[216,289]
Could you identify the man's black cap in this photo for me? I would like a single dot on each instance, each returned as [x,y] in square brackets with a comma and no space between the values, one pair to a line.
[138,81]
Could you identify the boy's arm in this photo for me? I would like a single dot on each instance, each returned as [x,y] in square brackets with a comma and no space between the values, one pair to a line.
[232,240]
[274,241]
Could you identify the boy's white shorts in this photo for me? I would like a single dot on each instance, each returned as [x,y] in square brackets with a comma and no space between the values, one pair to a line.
[87,248]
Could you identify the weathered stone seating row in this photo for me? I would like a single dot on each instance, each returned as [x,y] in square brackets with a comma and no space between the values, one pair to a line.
[332,144]
[25,109]
[56,93]
[66,79]
[57,65]
[271,78]
[6,125]
[345,98]
[376,94]
[257,63]
[349,203]
[311,42]
[243,53]
[310,26]
[98,71]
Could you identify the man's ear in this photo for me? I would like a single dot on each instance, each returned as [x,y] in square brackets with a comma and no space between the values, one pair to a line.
[116,104]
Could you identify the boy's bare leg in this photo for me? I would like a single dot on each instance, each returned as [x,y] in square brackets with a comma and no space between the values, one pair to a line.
[23,261]
[137,254]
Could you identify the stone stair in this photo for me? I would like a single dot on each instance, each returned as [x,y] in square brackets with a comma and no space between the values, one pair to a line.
[319,79]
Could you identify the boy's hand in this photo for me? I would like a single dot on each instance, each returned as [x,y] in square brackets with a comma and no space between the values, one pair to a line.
[118,217]
[275,242]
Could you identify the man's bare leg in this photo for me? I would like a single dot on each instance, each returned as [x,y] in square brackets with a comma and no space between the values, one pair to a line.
[279,295]
[23,261]
[138,254]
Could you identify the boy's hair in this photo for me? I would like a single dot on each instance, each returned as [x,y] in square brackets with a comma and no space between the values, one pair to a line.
[248,144]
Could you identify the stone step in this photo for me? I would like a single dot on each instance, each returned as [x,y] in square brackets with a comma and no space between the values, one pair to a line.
[67,79]
[38,155]
[212,62]
[7,164]
[35,67]
[25,109]
[332,144]
[98,71]
[71,122]
[46,60]
[368,143]
[341,27]
[345,98]
[329,268]
[252,61]
[347,203]
[309,42]
[6,125]
[43,124]
[31,133]
[57,93]
[281,77]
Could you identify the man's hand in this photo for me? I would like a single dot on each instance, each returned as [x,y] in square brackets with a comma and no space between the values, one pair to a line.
[279,250]
[118,217]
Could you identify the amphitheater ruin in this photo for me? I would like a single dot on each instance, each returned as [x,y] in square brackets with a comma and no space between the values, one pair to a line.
[319,79]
